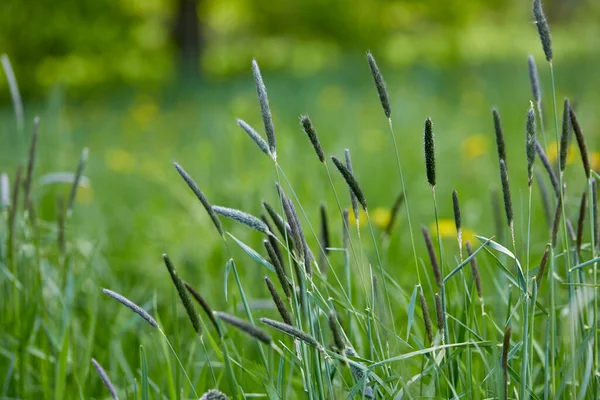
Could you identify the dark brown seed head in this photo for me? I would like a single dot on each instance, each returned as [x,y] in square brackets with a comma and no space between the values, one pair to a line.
[581,220]
[312,136]
[353,199]
[426,316]
[534,79]
[207,309]
[542,267]
[183,295]
[543,29]
[273,240]
[439,312]
[324,238]
[565,136]
[548,168]
[499,135]
[506,193]
[394,214]
[380,85]
[474,270]
[335,331]
[292,331]
[351,181]
[580,142]
[432,257]
[556,223]
[456,209]
[246,327]
[530,144]
[265,110]
[200,195]
[429,152]
[278,266]
[285,315]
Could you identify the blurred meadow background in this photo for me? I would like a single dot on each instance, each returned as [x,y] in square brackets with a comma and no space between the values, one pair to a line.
[145,83]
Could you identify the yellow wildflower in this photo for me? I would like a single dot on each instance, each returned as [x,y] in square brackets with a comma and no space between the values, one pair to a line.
[380,217]
[448,230]
[475,146]
[595,160]
[552,154]
[119,160]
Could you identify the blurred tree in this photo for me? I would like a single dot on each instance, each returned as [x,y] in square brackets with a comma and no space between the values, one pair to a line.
[188,38]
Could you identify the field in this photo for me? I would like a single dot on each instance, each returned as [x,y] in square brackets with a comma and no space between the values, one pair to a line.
[132,207]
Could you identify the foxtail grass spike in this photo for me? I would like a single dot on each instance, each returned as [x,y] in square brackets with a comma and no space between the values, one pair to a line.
[351,181]
[324,238]
[394,214]
[429,145]
[581,220]
[76,180]
[505,348]
[278,266]
[380,85]
[302,245]
[595,212]
[530,144]
[456,210]
[245,327]
[500,146]
[543,29]
[200,195]
[243,218]
[432,257]
[556,223]
[580,142]
[565,136]
[255,136]
[291,220]
[105,379]
[265,110]
[285,315]
[534,79]
[335,331]
[506,193]
[542,268]
[292,331]
[132,306]
[439,312]
[548,167]
[359,374]
[183,295]
[312,136]
[474,270]
[272,239]
[353,199]
[207,309]
[214,394]
[31,163]
[282,226]
[426,316]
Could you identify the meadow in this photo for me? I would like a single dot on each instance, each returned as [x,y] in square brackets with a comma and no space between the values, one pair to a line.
[131,206]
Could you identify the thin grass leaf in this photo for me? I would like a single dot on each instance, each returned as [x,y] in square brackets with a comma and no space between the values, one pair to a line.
[144,383]
[474,269]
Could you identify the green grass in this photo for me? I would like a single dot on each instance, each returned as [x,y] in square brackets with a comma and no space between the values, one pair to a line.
[55,317]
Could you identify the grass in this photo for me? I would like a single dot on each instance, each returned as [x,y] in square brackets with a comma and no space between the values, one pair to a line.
[55,318]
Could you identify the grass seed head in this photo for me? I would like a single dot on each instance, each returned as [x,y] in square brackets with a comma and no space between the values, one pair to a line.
[543,29]
[292,331]
[426,316]
[132,306]
[200,195]
[456,210]
[351,181]
[205,306]
[542,268]
[31,163]
[353,199]
[429,145]
[394,214]
[580,142]
[245,327]
[380,85]
[255,136]
[214,394]
[278,266]
[312,136]
[324,239]
[506,193]
[265,110]
[556,222]
[183,295]
[432,257]
[439,312]
[105,379]
[530,143]
[500,146]
[534,79]
[548,167]
[581,220]
[565,136]
[338,339]
[474,270]
[243,218]
[285,315]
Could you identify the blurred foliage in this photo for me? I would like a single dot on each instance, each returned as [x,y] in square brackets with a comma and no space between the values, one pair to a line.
[90,45]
